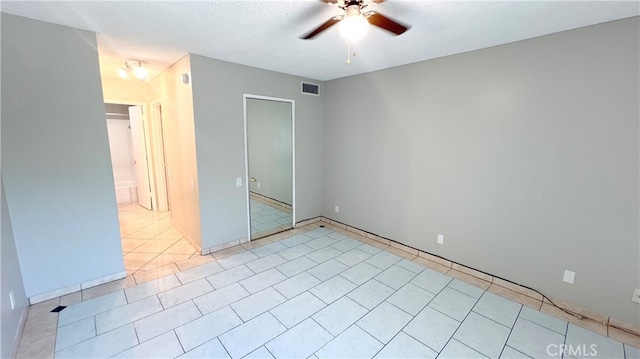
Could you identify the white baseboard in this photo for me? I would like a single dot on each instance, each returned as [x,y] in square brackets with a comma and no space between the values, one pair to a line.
[102,280]
[76,287]
[54,293]
[18,336]
[221,247]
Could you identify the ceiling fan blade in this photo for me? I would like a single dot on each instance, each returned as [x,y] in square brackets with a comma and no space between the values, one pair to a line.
[322,28]
[386,23]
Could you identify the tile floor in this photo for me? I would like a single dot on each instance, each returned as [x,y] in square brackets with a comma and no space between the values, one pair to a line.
[149,240]
[267,219]
[306,293]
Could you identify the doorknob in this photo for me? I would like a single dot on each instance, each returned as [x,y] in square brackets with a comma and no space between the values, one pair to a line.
[253,179]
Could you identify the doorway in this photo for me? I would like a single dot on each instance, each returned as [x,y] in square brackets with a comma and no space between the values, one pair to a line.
[136,143]
[270,164]
[148,236]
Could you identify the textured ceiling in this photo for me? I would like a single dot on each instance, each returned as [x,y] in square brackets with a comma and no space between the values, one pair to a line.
[265,33]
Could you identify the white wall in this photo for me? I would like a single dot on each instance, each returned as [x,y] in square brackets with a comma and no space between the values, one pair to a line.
[11,282]
[55,156]
[269,135]
[180,150]
[218,88]
[118,90]
[525,156]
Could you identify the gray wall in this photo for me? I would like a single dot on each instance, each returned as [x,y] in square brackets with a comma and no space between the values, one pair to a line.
[218,87]
[11,280]
[269,137]
[55,156]
[525,156]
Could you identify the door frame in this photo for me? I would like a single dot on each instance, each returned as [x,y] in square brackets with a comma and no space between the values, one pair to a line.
[159,157]
[245,97]
[148,147]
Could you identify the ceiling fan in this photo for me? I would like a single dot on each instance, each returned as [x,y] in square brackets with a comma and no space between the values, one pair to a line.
[354,20]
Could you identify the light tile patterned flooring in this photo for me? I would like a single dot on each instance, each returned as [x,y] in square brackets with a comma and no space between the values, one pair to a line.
[306,293]
[268,219]
[149,240]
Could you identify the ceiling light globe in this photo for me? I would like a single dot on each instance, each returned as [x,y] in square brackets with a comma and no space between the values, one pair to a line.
[141,73]
[353,28]
[122,73]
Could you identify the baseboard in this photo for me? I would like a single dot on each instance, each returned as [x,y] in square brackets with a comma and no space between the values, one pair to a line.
[222,246]
[102,280]
[189,239]
[611,324]
[18,336]
[76,287]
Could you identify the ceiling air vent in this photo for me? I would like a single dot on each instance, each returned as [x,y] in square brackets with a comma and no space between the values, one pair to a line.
[310,89]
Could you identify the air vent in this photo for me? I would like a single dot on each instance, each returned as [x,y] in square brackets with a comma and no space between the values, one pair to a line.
[310,89]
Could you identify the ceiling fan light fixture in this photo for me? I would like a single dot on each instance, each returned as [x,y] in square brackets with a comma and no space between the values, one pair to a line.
[354,27]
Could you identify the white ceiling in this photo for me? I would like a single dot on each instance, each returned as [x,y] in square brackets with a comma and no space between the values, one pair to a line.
[266,33]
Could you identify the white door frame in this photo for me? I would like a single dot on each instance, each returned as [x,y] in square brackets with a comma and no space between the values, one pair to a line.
[158,157]
[246,152]
[148,139]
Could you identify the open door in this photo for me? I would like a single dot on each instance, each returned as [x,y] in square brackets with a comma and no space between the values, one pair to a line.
[141,157]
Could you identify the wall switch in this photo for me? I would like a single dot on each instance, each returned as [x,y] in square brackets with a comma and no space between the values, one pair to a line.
[636,296]
[569,277]
[258,184]
[440,238]
[337,209]
[239,182]
[192,183]
[12,300]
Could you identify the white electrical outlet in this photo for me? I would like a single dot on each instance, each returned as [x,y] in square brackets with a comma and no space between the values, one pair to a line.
[636,296]
[440,238]
[12,300]
[239,182]
[258,184]
[569,277]
[337,209]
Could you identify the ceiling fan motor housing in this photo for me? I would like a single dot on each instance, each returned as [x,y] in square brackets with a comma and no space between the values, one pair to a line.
[353,9]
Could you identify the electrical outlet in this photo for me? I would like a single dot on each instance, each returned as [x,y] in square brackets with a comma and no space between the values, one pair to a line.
[337,209]
[440,238]
[636,296]
[569,277]
[12,300]
[258,184]
[239,182]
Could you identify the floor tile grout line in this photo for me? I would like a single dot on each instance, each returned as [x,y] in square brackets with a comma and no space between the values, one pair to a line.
[347,328]
[413,316]
[462,321]
[371,255]
[256,292]
[542,326]
[179,342]
[510,329]
[108,331]
[427,305]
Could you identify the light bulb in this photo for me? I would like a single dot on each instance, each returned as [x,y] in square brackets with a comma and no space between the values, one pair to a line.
[123,73]
[353,27]
[140,72]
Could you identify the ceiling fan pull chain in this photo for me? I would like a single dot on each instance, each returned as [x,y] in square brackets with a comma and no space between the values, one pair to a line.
[348,53]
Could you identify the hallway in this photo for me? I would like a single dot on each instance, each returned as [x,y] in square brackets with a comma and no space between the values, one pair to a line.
[149,240]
